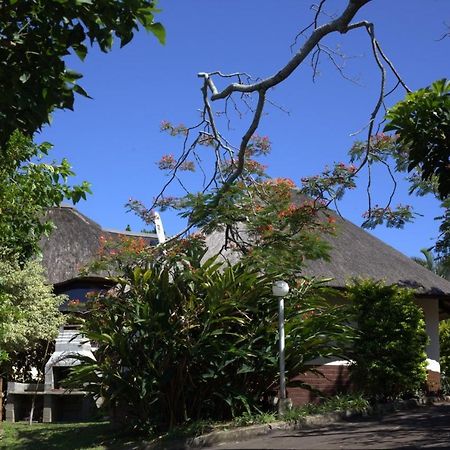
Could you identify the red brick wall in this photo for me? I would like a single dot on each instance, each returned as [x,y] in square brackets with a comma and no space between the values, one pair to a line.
[336,380]
[433,382]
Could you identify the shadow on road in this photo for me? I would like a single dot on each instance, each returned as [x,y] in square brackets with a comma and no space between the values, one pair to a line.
[425,427]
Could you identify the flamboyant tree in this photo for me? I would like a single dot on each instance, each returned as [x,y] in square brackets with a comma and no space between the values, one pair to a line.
[222,92]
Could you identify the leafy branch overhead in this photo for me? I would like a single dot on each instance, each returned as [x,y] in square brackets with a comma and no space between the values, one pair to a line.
[35,38]
[267,220]
[422,125]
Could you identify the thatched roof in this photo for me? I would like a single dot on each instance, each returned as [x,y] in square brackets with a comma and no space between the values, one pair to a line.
[75,242]
[357,254]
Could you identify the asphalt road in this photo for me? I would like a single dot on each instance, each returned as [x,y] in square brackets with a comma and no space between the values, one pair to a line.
[424,427]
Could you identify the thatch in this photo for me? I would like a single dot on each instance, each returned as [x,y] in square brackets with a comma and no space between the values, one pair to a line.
[75,242]
[357,254]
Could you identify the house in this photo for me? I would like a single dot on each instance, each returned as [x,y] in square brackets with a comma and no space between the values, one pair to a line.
[357,254]
[77,239]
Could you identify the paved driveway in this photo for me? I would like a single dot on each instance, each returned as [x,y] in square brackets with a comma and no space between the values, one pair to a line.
[425,427]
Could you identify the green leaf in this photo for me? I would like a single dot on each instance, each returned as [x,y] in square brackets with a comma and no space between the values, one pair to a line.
[71,75]
[159,31]
[79,90]
[81,51]
[24,77]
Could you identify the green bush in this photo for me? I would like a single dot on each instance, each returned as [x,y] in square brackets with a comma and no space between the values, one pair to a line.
[389,350]
[444,340]
[181,341]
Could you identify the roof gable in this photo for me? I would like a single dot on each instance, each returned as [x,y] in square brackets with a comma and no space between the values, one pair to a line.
[355,253]
[75,242]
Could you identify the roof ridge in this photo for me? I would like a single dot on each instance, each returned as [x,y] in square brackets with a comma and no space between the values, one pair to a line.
[130,233]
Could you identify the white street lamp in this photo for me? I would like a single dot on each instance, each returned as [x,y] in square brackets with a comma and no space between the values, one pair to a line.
[280,289]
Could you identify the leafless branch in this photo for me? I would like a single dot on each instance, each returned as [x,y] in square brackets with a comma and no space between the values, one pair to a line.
[339,24]
[277,106]
[314,23]
[315,57]
[391,66]
[332,54]
[445,35]
[394,184]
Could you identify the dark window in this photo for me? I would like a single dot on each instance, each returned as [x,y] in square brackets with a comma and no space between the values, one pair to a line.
[79,292]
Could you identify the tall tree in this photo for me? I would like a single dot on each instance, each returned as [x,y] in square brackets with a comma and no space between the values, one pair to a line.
[35,39]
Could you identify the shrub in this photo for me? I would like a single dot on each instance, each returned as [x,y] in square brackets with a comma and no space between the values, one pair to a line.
[180,340]
[389,351]
[444,340]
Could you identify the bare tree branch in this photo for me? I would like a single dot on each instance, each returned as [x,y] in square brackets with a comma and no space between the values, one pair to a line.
[445,35]
[247,88]
[312,24]
[338,25]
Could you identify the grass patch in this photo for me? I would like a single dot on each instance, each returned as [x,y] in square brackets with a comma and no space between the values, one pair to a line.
[67,436]
[339,403]
[101,436]
[259,418]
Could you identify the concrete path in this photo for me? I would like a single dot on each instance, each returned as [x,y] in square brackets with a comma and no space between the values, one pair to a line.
[424,427]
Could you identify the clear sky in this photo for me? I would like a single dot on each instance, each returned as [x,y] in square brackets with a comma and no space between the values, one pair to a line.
[113,141]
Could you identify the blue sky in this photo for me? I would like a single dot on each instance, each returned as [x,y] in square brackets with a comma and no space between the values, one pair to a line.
[113,141]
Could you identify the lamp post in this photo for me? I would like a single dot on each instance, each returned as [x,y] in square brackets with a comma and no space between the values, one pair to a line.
[280,290]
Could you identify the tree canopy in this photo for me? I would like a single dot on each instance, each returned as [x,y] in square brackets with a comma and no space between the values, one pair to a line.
[27,188]
[28,307]
[35,39]
[421,123]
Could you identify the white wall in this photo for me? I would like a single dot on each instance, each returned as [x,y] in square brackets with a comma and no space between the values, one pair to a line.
[430,307]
